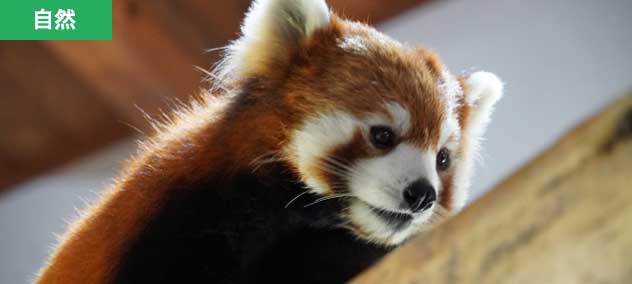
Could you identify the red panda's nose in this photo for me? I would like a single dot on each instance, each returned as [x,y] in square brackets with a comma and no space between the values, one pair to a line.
[420,195]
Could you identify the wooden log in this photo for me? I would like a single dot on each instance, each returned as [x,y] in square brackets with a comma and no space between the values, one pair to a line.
[566,217]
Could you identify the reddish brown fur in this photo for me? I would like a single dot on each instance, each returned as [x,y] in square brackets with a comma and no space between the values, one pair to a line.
[432,61]
[390,73]
[345,155]
[463,111]
[445,196]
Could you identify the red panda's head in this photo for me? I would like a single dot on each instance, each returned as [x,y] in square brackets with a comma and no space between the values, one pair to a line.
[382,125]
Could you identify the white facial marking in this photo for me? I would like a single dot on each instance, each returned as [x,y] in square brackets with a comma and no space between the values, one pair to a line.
[314,139]
[380,232]
[400,121]
[450,133]
[380,181]
[401,117]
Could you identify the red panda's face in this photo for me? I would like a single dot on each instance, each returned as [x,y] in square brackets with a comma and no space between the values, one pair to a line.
[394,180]
[384,127]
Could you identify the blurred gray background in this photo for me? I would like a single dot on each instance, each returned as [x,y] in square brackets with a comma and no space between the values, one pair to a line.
[561,61]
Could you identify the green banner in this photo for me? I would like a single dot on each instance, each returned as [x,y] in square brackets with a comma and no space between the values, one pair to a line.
[56,20]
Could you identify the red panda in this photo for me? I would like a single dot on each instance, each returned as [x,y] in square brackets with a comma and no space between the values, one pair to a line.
[325,145]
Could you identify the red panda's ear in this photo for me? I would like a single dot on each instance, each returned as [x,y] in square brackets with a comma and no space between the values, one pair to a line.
[482,91]
[272,28]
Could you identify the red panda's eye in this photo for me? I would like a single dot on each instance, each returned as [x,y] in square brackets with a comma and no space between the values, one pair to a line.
[382,137]
[443,159]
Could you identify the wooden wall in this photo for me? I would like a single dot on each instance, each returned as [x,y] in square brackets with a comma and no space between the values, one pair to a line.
[63,99]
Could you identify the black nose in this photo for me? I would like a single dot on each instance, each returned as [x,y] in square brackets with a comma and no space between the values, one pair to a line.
[420,195]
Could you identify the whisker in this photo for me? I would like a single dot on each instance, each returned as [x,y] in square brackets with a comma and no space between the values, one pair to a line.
[339,163]
[209,50]
[325,198]
[332,170]
[295,198]
[266,158]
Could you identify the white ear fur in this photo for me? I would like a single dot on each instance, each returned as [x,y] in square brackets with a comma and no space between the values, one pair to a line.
[484,90]
[269,29]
